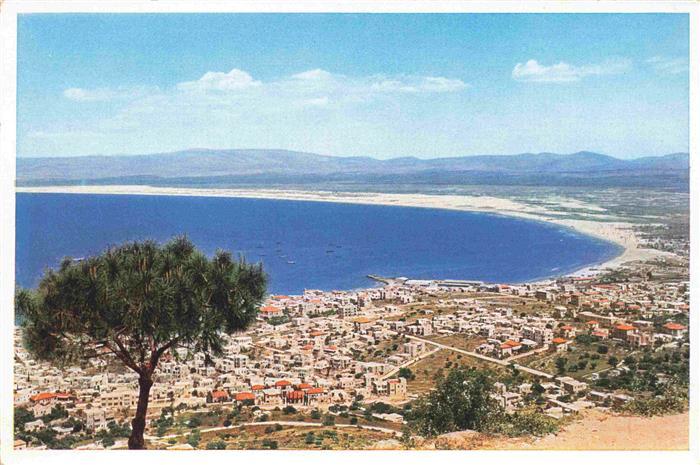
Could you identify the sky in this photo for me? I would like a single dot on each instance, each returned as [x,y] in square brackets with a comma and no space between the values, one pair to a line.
[380,85]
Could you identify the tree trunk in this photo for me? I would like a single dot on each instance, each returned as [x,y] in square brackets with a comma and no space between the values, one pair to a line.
[138,424]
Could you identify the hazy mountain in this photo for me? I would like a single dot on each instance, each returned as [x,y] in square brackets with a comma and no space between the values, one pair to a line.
[205,166]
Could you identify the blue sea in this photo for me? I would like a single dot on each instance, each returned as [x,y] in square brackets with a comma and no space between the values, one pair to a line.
[305,245]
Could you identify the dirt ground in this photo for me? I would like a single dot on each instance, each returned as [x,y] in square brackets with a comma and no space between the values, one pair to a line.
[603,431]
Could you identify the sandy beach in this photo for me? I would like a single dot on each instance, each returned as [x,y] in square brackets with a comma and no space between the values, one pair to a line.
[617,232]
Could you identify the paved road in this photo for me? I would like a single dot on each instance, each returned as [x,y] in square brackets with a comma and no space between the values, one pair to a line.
[532,371]
[409,362]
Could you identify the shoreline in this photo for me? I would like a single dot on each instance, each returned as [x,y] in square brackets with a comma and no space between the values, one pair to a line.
[619,233]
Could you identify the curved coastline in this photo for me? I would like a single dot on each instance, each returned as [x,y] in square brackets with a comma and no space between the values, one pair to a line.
[618,234]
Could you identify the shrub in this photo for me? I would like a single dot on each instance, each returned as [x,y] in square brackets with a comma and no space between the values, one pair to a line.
[463,401]
[216,445]
[193,438]
[108,441]
[268,444]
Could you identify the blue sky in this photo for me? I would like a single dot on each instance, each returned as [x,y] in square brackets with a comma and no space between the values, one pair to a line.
[353,84]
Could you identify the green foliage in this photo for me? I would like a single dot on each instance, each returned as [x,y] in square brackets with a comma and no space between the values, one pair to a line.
[526,422]
[59,411]
[137,301]
[193,438]
[310,438]
[108,441]
[406,373]
[138,296]
[407,439]
[278,320]
[316,414]
[269,444]
[661,405]
[460,401]
[560,363]
[217,444]
[602,349]
[328,420]
[289,410]
[22,416]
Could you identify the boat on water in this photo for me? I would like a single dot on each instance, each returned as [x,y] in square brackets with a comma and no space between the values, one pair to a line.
[291,262]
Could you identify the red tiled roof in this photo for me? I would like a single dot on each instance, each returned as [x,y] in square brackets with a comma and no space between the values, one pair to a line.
[304,386]
[240,396]
[316,390]
[270,309]
[42,396]
[282,383]
[219,395]
[558,340]
[624,327]
[674,326]
[293,395]
[257,387]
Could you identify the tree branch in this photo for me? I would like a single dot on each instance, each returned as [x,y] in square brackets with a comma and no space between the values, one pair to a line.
[125,356]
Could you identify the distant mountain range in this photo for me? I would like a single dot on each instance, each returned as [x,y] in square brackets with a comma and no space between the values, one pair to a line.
[199,167]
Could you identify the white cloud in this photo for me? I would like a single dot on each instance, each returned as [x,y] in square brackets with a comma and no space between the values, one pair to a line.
[412,84]
[666,65]
[233,105]
[235,79]
[533,71]
[316,87]
[313,75]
